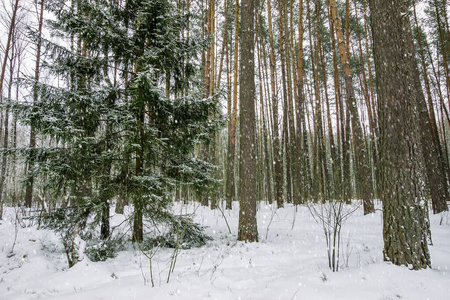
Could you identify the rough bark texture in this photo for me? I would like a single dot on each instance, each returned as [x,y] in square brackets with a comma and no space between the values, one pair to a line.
[247,150]
[405,225]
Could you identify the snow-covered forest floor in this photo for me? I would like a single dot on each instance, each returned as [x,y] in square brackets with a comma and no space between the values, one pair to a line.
[289,262]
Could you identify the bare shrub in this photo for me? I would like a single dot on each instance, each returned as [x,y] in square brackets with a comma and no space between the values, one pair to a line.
[331,215]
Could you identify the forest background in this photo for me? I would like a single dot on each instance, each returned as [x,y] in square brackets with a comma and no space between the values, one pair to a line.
[144,103]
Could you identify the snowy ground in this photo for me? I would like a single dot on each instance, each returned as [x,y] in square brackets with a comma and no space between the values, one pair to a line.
[289,262]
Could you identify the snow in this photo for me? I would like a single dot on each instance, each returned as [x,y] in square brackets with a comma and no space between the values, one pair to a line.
[289,262]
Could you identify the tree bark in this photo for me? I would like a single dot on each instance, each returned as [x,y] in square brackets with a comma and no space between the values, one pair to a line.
[301,140]
[405,215]
[277,155]
[231,166]
[247,161]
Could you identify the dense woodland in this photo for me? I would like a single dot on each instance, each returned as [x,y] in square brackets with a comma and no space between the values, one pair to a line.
[140,103]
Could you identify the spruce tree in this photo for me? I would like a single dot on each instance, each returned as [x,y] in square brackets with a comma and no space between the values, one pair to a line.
[117,131]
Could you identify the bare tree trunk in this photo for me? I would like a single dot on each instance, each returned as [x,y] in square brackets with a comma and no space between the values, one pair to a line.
[224,44]
[269,142]
[434,160]
[291,162]
[263,128]
[442,46]
[332,179]
[363,174]
[12,25]
[229,184]
[284,84]
[275,132]
[138,224]
[247,185]
[340,129]
[5,145]
[301,140]
[30,178]
[231,166]
[405,215]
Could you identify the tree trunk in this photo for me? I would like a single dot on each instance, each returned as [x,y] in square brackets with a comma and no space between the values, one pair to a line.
[138,225]
[277,155]
[405,216]
[267,110]
[332,179]
[363,174]
[264,133]
[340,129]
[6,133]
[284,83]
[247,184]
[224,44]
[30,178]
[301,134]
[2,77]
[231,165]
[442,46]
[434,160]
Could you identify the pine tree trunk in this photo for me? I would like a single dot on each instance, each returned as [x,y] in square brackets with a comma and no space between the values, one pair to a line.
[263,128]
[284,84]
[231,166]
[443,51]
[247,184]
[347,149]
[302,150]
[2,77]
[339,114]
[363,174]
[104,228]
[224,44]
[321,175]
[277,155]
[405,215]
[6,134]
[291,162]
[287,152]
[434,160]
[138,225]
[268,116]
[332,179]
[229,184]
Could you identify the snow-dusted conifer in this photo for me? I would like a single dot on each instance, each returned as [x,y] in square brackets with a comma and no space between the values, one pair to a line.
[114,129]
